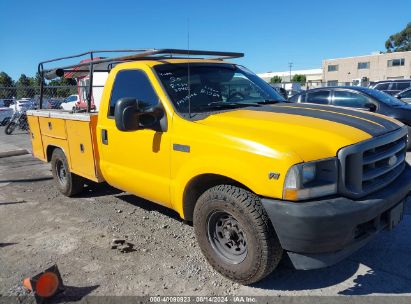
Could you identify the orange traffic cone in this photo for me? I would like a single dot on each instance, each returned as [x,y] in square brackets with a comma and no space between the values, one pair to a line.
[27,284]
[45,284]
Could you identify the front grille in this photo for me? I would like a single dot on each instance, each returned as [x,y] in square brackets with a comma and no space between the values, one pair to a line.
[372,164]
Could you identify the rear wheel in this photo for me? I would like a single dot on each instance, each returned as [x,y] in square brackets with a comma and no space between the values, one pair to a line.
[235,234]
[10,128]
[68,183]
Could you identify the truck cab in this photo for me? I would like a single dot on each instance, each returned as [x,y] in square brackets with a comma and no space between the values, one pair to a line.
[256,175]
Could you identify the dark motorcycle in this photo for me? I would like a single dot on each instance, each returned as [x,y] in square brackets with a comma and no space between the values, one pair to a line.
[18,120]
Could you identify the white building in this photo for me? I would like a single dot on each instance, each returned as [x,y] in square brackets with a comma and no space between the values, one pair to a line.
[312,75]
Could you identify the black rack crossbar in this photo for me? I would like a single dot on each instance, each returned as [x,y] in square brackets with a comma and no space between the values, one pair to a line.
[139,54]
[142,53]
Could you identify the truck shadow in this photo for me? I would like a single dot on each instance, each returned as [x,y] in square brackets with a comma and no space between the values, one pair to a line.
[149,206]
[98,189]
[381,267]
[104,189]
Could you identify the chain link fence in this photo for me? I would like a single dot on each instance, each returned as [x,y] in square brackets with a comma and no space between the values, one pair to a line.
[54,97]
[319,84]
[33,93]
[59,97]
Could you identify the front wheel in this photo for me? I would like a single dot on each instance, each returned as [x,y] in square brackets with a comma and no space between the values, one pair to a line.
[235,234]
[68,183]
[10,128]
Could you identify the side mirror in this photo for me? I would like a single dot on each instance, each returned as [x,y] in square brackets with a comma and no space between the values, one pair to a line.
[131,115]
[126,114]
[398,96]
[370,106]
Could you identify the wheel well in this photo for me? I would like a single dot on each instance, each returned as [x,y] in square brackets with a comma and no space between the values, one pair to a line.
[49,152]
[198,185]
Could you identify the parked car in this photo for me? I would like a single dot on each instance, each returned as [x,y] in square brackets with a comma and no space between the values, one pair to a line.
[23,105]
[52,103]
[404,95]
[70,103]
[281,91]
[6,102]
[391,87]
[5,113]
[360,98]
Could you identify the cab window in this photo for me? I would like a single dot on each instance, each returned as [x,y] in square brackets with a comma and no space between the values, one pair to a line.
[349,99]
[134,84]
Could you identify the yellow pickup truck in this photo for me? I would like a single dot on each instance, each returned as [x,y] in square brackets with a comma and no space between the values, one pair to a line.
[256,175]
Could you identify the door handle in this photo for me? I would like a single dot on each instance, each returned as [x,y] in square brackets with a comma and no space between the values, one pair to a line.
[104,137]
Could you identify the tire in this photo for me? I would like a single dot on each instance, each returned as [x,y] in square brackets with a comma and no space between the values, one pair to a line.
[68,183]
[235,234]
[10,128]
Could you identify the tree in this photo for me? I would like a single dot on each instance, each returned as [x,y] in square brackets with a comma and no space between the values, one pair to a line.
[5,80]
[36,80]
[7,85]
[61,87]
[24,88]
[299,78]
[276,79]
[400,42]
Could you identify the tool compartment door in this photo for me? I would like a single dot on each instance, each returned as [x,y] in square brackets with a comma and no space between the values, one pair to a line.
[81,149]
[53,127]
[35,134]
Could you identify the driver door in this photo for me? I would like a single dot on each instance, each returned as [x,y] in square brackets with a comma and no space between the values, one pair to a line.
[135,161]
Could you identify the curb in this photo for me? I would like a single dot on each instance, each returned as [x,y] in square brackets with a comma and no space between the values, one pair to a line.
[14,153]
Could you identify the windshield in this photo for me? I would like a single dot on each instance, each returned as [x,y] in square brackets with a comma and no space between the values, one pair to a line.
[385,98]
[214,86]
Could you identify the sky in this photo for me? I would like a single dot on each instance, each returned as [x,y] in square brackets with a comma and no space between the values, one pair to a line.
[270,33]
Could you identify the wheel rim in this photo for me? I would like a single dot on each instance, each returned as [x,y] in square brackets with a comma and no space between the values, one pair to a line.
[227,237]
[61,172]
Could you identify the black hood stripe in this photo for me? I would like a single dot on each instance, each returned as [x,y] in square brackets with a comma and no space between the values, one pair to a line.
[370,124]
[361,114]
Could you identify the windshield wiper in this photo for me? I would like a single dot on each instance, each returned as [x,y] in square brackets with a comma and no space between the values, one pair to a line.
[269,101]
[222,104]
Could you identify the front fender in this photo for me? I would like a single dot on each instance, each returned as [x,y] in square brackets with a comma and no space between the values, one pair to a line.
[253,173]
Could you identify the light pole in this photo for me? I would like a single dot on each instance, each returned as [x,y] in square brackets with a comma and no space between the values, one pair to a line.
[290,65]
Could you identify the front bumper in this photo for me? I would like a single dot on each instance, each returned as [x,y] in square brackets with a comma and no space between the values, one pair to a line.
[321,233]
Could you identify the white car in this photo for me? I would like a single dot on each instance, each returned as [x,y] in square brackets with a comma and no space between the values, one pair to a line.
[70,103]
[5,112]
[22,105]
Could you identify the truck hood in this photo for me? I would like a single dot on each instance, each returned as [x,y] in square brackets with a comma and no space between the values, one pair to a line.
[310,131]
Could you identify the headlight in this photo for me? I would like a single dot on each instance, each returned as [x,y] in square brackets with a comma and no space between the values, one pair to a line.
[308,172]
[309,180]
